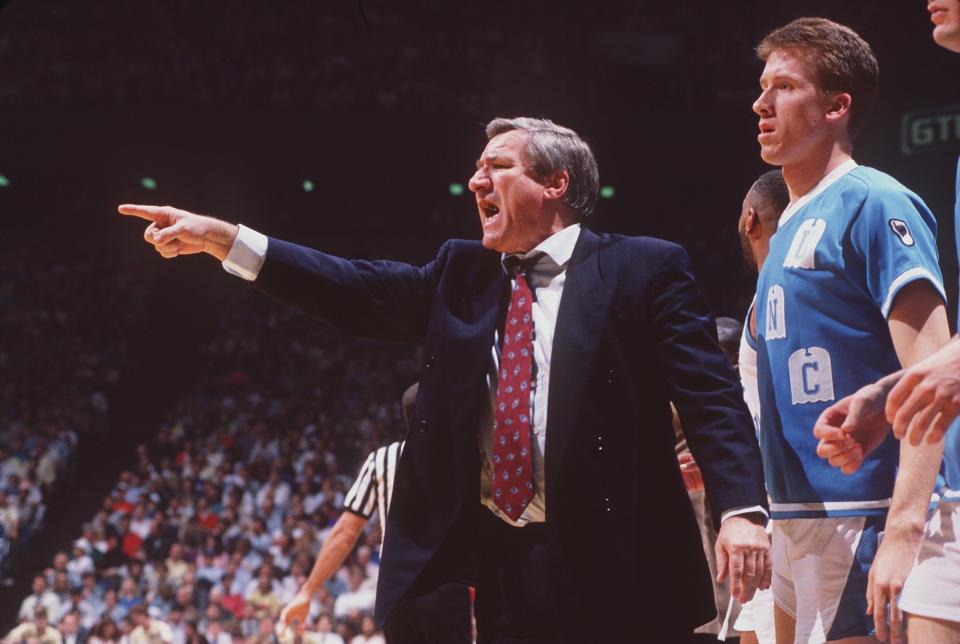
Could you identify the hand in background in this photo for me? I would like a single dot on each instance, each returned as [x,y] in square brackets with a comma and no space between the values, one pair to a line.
[927,398]
[852,428]
[294,614]
[743,554]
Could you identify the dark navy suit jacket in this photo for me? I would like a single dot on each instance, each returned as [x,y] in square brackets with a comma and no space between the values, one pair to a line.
[633,333]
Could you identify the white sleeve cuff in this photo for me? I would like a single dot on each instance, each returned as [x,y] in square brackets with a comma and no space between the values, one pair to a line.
[917,273]
[247,254]
[753,509]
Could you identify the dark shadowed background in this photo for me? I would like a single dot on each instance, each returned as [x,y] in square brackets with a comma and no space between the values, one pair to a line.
[231,106]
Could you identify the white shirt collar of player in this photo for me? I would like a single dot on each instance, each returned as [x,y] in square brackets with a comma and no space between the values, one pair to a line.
[825,183]
[558,246]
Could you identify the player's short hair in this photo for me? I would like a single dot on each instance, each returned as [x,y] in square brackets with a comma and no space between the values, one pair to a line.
[842,60]
[770,195]
[551,148]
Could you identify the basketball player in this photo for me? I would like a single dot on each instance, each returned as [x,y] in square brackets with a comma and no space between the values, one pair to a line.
[850,290]
[923,400]
[762,207]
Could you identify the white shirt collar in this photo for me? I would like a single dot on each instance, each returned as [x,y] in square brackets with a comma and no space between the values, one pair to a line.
[558,246]
[824,183]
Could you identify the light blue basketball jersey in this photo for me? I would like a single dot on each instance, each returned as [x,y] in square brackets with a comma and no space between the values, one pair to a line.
[951,451]
[839,257]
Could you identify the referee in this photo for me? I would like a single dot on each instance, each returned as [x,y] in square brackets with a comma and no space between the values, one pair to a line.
[441,616]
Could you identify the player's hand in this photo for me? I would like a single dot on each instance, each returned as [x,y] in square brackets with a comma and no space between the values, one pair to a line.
[174,232]
[294,615]
[927,398]
[690,471]
[852,428]
[743,554]
[894,560]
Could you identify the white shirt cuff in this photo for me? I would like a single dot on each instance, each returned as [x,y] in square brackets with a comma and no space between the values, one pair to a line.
[247,254]
[749,510]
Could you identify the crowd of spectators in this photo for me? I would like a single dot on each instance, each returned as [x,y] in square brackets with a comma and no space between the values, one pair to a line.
[429,56]
[217,523]
[59,362]
[318,55]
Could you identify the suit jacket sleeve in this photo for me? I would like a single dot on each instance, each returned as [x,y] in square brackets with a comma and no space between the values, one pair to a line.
[375,299]
[704,388]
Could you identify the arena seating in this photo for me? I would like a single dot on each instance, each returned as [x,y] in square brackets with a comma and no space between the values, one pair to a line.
[217,524]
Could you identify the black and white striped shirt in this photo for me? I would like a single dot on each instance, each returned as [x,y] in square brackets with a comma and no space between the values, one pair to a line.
[373,488]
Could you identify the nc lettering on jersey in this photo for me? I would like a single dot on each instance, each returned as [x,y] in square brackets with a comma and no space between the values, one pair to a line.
[803,249]
[811,376]
[776,320]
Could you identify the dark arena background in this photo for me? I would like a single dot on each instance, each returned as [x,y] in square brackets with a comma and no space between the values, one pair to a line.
[132,387]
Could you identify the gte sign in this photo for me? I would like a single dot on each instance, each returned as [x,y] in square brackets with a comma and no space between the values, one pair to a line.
[930,130]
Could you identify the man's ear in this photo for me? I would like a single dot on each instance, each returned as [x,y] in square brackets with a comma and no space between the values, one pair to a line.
[752,221]
[839,106]
[556,184]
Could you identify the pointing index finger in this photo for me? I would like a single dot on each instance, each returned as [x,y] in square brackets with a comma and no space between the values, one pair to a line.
[150,213]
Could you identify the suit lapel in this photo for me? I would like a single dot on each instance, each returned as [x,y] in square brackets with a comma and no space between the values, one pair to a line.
[471,323]
[583,309]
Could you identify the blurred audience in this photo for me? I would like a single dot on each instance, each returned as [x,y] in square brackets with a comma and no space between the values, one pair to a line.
[59,365]
[215,525]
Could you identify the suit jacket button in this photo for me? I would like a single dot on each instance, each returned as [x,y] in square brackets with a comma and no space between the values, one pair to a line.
[610,377]
[422,427]
[430,361]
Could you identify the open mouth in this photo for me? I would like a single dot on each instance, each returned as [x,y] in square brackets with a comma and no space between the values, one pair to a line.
[765,132]
[490,212]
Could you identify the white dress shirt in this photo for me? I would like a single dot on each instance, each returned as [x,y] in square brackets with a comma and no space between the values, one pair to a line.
[546,279]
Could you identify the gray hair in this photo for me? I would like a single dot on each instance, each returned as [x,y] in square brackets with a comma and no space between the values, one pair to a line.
[551,148]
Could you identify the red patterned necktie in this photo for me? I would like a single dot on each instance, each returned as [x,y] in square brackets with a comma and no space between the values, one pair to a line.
[512,460]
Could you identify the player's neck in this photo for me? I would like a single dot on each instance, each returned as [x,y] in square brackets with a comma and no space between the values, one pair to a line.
[760,251]
[803,176]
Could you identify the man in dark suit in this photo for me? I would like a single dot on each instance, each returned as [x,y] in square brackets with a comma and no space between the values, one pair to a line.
[558,351]
[71,629]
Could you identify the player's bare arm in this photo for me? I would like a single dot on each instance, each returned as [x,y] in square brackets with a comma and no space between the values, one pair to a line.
[924,399]
[918,327]
[927,399]
[343,536]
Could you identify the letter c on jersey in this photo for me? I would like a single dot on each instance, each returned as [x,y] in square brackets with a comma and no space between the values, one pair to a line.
[811,377]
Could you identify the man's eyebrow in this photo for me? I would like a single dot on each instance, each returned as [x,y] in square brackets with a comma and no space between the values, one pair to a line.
[780,74]
[490,158]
